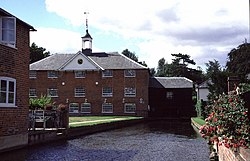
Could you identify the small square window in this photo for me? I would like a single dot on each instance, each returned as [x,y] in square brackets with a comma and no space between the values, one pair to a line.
[52,92]
[32,92]
[129,108]
[129,73]
[169,95]
[107,73]
[107,92]
[79,92]
[80,74]
[32,74]
[85,108]
[73,108]
[52,74]
[130,92]
[107,108]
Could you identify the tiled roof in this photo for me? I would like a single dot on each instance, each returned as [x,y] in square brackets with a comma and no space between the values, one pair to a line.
[104,60]
[170,82]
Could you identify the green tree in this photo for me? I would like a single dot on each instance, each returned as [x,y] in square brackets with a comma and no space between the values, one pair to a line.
[218,77]
[179,68]
[37,53]
[238,63]
[130,55]
[133,56]
[161,68]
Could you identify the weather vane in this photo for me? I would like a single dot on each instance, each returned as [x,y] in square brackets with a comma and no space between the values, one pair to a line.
[86,13]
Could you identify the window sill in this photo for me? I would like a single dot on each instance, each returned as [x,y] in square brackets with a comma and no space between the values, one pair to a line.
[8,106]
[32,96]
[10,46]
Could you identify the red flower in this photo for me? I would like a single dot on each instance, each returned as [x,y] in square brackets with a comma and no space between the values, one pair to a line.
[227,145]
[230,100]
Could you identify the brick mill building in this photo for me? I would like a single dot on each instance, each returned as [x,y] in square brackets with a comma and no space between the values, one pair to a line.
[14,80]
[92,83]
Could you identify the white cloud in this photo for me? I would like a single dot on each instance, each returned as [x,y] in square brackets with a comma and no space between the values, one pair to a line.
[194,27]
[57,40]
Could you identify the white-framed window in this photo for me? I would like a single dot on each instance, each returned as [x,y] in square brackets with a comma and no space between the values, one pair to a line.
[52,92]
[107,108]
[107,73]
[32,74]
[169,95]
[73,108]
[80,74]
[129,107]
[107,92]
[52,74]
[79,92]
[85,108]
[129,73]
[129,92]
[7,92]
[8,31]
[32,92]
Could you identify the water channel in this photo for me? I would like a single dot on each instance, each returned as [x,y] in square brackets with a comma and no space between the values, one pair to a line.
[152,141]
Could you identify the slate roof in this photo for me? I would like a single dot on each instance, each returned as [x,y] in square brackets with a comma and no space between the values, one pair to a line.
[170,82]
[103,60]
[115,61]
[53,62]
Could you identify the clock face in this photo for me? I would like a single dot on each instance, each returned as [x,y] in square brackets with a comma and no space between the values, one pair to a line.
[79,61]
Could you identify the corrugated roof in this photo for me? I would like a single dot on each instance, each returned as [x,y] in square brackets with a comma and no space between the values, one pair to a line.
[170,82]
[103,60]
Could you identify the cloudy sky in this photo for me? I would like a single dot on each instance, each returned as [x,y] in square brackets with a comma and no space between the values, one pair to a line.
[153,29]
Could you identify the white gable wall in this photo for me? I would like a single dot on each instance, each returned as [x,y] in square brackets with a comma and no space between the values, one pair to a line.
[74,65]
[202,94]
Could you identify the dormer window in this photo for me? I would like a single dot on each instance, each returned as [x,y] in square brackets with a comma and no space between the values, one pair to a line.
[8,31]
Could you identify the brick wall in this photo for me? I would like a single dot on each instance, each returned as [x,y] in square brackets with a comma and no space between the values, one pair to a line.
[93,83]
[14,63]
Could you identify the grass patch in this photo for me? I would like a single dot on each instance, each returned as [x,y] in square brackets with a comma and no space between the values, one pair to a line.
[94,120]
[199,120]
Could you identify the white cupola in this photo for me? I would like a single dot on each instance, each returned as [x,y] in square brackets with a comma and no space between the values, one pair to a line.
[87,40]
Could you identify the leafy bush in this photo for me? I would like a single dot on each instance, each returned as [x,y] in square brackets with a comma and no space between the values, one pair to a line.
[244,87]
[201,109]
[228,124]
[39,103]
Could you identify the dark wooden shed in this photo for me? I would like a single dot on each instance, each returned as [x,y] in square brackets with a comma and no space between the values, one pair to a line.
[171,97]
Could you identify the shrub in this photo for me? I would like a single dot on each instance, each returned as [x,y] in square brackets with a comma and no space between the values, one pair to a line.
[39,103]
[228,124]
[201,109]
